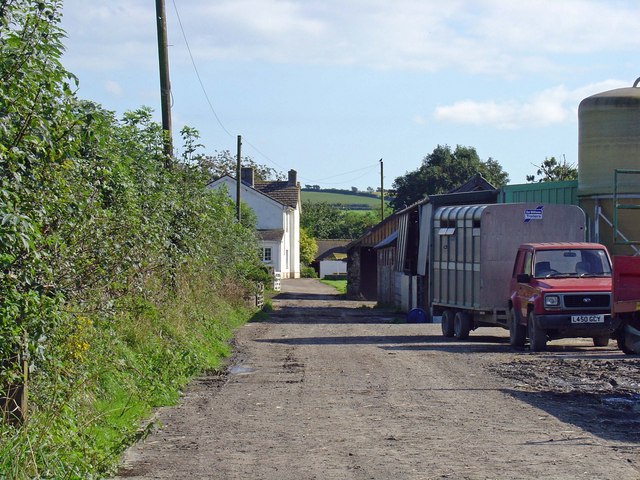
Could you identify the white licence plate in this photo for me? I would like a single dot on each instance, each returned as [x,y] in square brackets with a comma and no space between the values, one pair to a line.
[587,318]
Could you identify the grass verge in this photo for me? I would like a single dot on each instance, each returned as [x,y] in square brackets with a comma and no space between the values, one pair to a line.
[88,409]
[339,285]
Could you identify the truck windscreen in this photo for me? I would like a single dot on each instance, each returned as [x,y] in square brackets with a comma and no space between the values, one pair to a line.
[571,263]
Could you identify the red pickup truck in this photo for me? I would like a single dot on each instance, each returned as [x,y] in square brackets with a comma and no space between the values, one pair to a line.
[561,290]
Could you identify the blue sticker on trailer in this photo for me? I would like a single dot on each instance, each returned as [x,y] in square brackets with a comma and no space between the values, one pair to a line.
[533,214]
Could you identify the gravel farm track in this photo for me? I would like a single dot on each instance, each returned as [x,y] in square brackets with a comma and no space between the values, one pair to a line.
[332,389]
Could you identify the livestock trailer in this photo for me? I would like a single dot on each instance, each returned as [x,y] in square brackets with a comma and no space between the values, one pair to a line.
[473,248]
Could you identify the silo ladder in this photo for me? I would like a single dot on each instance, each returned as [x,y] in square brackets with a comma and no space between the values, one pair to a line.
[618,237]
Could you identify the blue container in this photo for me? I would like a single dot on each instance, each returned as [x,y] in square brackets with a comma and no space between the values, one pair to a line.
[417,315]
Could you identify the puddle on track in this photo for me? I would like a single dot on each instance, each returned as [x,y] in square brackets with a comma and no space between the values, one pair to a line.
[240,370]
[626,403]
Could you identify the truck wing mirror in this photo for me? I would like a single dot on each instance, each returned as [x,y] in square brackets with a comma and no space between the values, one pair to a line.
[523,278]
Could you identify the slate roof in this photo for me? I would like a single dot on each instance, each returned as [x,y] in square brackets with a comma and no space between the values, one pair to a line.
[280,191]
[331,248]
[325,245]
[274,235]
[474,184]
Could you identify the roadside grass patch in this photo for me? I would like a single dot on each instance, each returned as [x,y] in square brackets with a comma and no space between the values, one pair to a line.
[339,285]
[134,364]
[268,305]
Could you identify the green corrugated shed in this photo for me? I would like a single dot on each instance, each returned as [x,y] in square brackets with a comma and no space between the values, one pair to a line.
[563,193]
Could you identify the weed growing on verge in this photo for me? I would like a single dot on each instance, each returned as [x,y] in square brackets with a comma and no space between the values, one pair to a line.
[135,363]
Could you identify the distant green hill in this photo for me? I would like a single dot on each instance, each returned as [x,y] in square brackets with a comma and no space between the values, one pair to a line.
[348,201]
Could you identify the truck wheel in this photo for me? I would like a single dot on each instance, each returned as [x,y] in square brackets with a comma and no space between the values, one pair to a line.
[447,324]
[601,341]
[537,336]
[622,346]
[461,325]
[517,331]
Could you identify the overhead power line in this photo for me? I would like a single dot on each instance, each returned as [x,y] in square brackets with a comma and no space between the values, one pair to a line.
[195,68]
[264,156]
[217,117]
[367,171]
[368,168]
[206,95]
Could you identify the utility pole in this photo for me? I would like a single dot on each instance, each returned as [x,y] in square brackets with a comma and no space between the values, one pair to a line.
[239,177]
[381,190]
[165,86]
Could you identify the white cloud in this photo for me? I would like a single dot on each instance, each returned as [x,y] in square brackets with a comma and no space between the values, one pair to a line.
[113,88]
[569,26]
[491,36]
[106,35]
[495,37]
[552,106]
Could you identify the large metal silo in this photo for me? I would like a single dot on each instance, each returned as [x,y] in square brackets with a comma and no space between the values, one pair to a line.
[609,140]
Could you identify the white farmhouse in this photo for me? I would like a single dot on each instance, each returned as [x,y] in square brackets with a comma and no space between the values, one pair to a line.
[277,207]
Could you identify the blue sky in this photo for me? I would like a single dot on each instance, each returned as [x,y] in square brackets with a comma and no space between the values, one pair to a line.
[330,87]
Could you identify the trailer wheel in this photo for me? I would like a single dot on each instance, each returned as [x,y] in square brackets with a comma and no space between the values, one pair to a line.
[461,325]
[537,336]
[447,323]
[517,331]
[601,341]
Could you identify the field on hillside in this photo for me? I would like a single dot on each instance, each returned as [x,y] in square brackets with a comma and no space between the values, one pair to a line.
[340,199]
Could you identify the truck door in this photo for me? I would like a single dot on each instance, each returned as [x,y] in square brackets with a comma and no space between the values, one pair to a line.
[523,290]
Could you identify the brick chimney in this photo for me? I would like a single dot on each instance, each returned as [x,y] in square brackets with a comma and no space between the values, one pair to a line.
[293,178]
[246,175]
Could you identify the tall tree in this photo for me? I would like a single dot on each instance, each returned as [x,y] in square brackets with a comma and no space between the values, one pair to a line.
[551,170]
[225,163]
[325,221]
[321,220]
[443,170]
[36,116]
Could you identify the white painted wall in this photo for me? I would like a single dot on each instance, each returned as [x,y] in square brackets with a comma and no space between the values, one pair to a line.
[406,292]
[295,266]
[271,215]
[291,225]
[268,211]
[331,267]
[275,254]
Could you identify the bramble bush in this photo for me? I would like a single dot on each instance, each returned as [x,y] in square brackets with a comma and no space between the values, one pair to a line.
[121,276]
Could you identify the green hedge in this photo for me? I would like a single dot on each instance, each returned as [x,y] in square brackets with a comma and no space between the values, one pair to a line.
[336,276]
[119,270]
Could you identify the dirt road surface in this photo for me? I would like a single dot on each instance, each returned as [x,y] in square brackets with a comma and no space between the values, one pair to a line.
[330,389]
